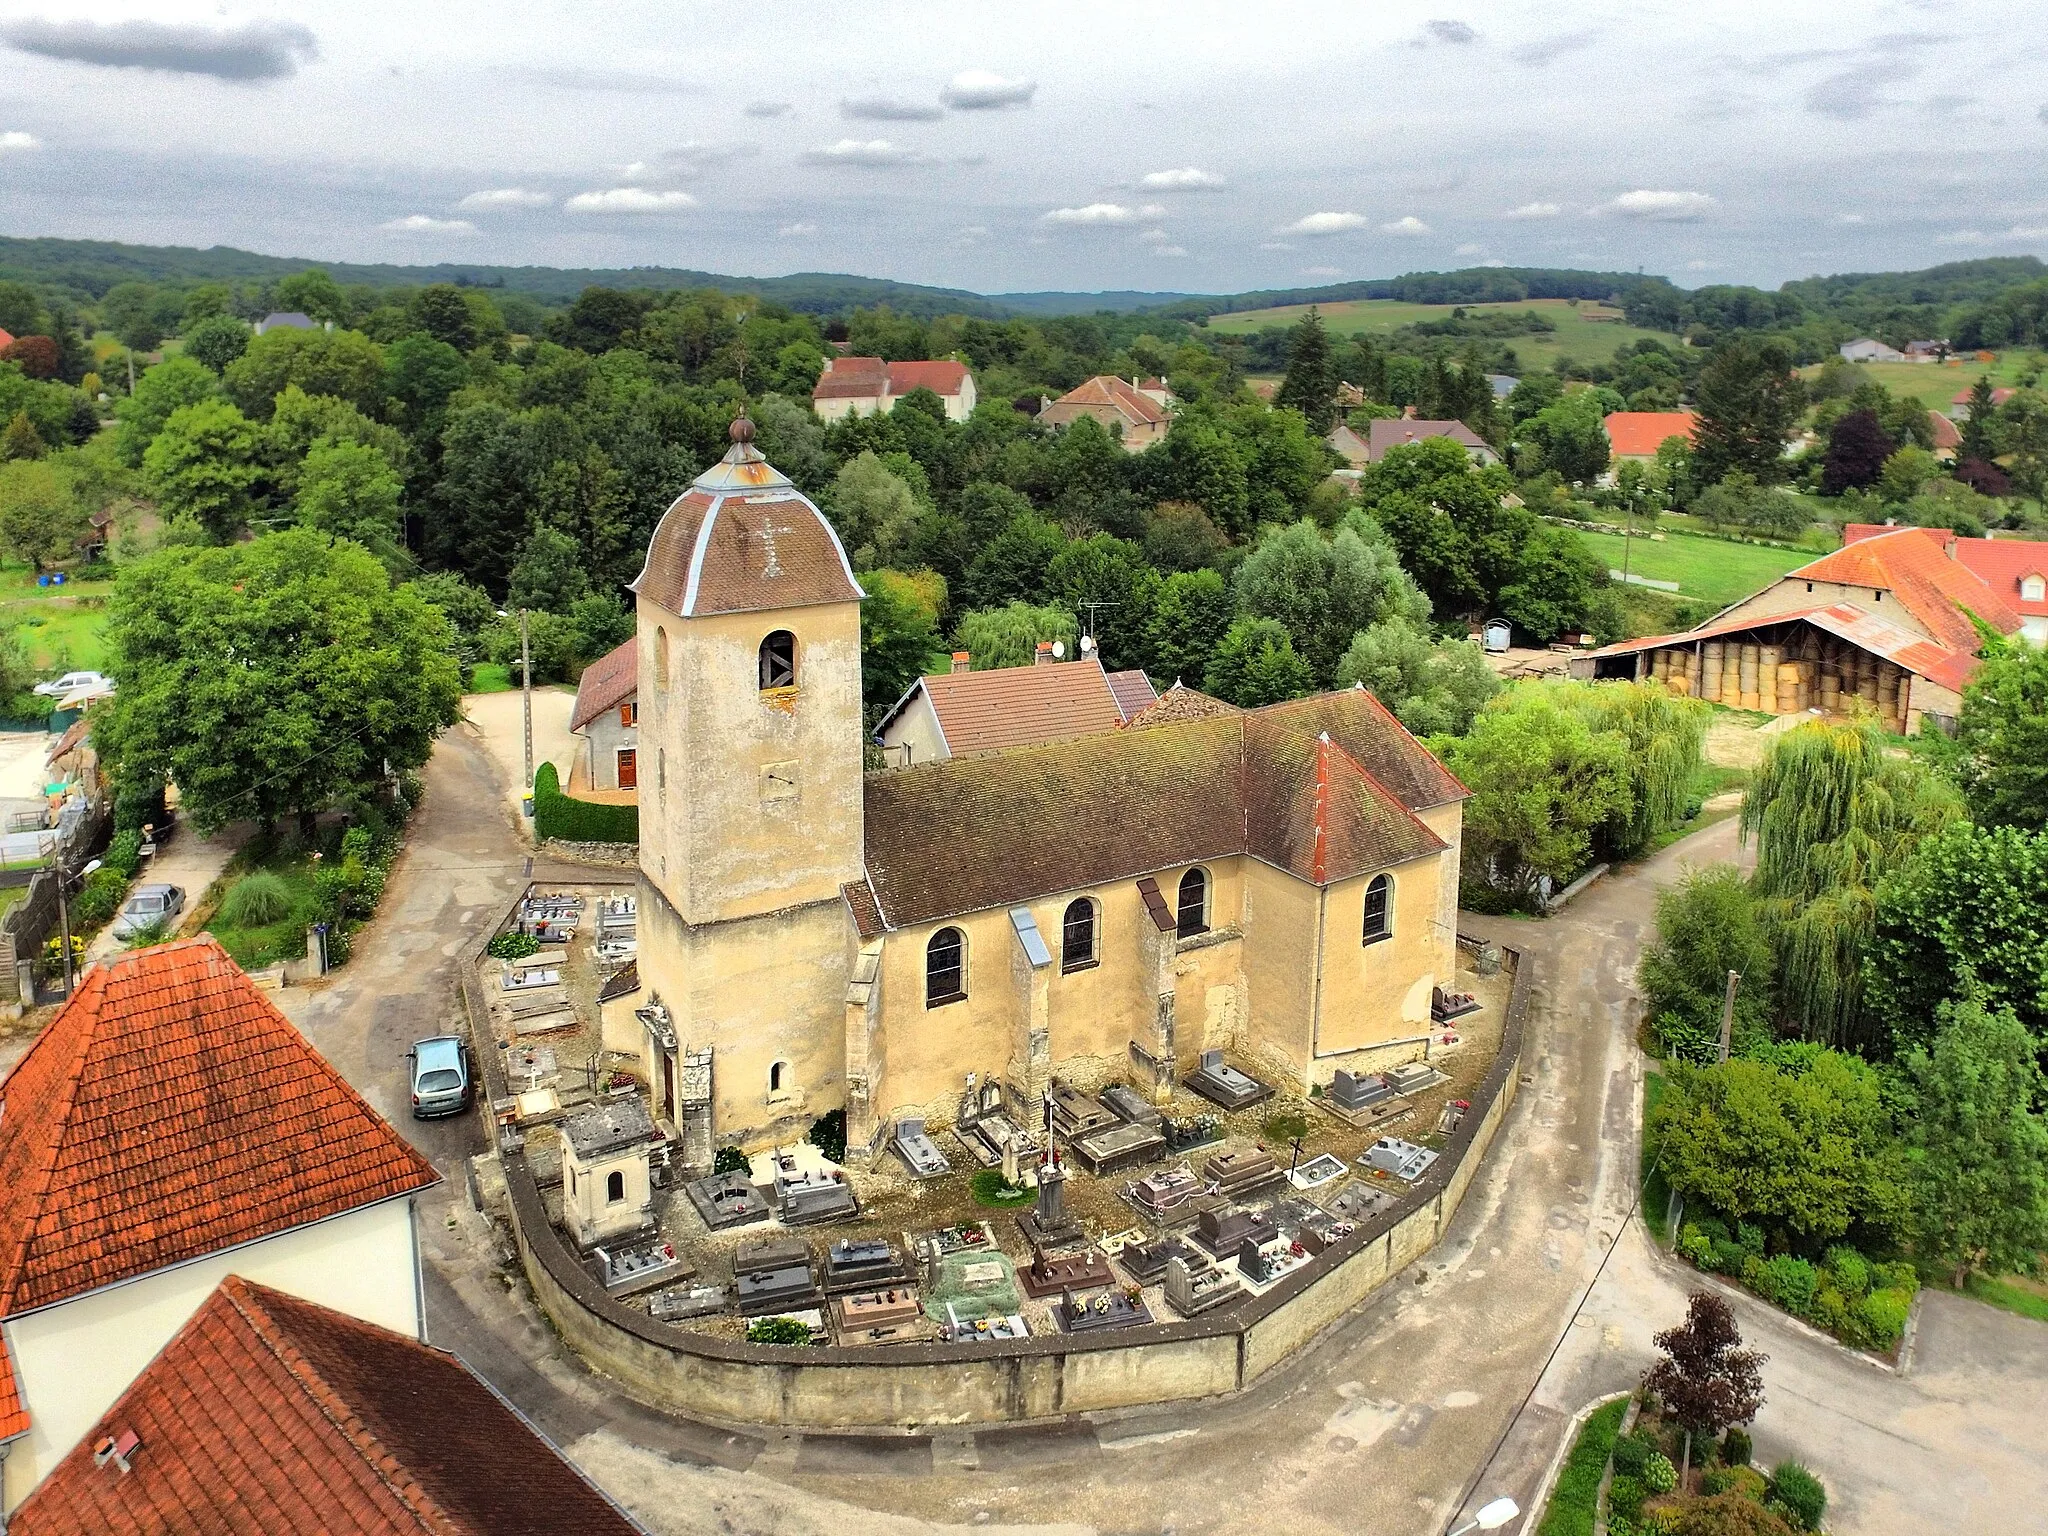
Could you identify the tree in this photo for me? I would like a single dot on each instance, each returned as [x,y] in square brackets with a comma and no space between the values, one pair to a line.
[1107,582]
[2002,737]
[1542,780]
[1188,622]
[1310,385]
[1204,465]
[420,374]
[442,311]
[1571,436]
[468,609]
[1434,689]
[349,490]
[1856,453]
[1706,1380]
[1906,474]
[311,293]
[1663,735]
[174,382]
[1979,427]
[41,517]
[1977,1147]
[1833,813]
[36,356]
[203,466]
[345,364]
[549,574]
[272,678]
[1747,400]
[1012,566]
[1798,1139]
[1706,927]
[1324,590]
[1255,664]
[20,440]
[1179,536]
[1009,636]
[1728,1514]
[873,509]
[1967,915]
[217,341]
[899,634]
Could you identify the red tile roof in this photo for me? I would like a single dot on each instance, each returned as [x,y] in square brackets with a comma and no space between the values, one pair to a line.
[1914,565]
[2002,564]
[1937,663]
[1107,393]
[1946,433]
[1385,434]
[170,1111]
[1007,707]
[852,378]
[1639,434]
[606,683]
[13,1416]
[942,377]
[1998,397]
[1133,691]
[267,1414]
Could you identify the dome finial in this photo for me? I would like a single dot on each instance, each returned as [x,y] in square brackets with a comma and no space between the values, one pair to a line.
[742,426]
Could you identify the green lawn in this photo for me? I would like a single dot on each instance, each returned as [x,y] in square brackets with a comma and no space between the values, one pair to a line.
[2015,1293]
[1936,385]
[1716,571]
[1576,339]
[256,947]
[58,633]
[1656,1193]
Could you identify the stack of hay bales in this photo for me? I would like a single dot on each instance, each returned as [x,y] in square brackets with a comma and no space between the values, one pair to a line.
[1712,656]
[1787,686]
[1747,671]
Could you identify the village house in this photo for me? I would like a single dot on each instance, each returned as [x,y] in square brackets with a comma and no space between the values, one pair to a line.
[1279,883]
[1349,446]
[1947,439]
[2016,570]
[868,386]
[1866,350]
[961,712]
[607,716]
[168,1128]
[1638,435]
[1926,351]
[1959,402]
[267,1414]
[1383,436]
[1137,410]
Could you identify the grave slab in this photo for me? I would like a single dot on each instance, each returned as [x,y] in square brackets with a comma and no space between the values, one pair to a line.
[727,1200]
[1220,1083]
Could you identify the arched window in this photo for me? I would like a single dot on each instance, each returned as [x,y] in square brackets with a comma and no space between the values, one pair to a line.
[777,1076]
[1379,909]
[778,660]
[945,968]
[1193,909]
[615,1187]
[1077,936]
[661,658]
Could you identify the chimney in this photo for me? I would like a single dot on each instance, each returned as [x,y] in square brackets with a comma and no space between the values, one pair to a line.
[118,1450]
[1044,657]
[961,662]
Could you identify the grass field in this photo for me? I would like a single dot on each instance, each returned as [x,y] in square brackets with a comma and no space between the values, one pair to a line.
[1937,384]
[2015,1293]
[490,677]
[1713,570]
[1576,339]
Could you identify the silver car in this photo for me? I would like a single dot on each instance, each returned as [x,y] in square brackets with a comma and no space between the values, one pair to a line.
[440,1077]
[149,906]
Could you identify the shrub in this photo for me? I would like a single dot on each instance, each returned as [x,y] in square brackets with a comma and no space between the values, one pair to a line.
[1659,1476]
[828,1135]
[98,899]
[579,821]
[1895,1276]
[1716,1480]
[124,853]
[1285,1127]
[1789,1282]
[515,945]
[1883,1316]
[1625,1496]
[1729,1514]
[1753,1272]
[1735,1448]
[1851,1271]
[1695,1246]
[729,1159]
[1830,1309]
[1729,1256]
[1751,1237]
[778,1330]
[1573,1502]
[256,901]
[1632,1453]
[1799,1494]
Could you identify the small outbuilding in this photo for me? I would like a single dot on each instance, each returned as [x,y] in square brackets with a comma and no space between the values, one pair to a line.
[607,1181]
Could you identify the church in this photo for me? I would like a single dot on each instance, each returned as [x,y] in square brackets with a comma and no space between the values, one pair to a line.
[1279,884]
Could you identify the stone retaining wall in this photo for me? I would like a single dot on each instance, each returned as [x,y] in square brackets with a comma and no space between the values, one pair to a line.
[1025,1379]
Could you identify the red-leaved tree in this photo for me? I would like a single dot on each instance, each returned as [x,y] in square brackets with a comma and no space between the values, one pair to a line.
[37,355]
[1706,1380]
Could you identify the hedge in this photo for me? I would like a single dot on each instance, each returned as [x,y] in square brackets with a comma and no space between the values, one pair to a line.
[579,821]
[1575,1499]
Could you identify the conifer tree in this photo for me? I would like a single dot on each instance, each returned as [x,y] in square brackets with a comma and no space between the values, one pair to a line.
[1311,382]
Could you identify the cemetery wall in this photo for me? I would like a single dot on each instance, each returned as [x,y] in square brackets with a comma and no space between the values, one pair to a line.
[1039,1378]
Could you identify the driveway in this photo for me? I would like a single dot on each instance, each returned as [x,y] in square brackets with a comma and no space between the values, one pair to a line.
[499,723]
[188,861]
[1378,1428]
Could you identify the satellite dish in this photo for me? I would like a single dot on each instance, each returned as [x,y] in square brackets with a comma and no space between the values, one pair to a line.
[1059,649]
[1087,644]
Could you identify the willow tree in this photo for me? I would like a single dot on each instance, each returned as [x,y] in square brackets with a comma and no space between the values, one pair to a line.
[1664,734]
[1833,812]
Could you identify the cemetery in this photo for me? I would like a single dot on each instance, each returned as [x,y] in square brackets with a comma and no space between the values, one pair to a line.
[1137,1204]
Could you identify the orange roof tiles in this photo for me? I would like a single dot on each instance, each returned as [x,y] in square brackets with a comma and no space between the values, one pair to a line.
[1914,564]
[1941,664]
[170,1111]
[1107,392]
[941,376]
[1639,434]
[864,378]
[1946,433]
[2002,564]
[1008,707]
[606,683]
[267,1414]
[13,1416]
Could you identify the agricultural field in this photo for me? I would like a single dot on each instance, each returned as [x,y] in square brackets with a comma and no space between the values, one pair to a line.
[1715,571]
[1936,385]
[61,628]
[1579,337]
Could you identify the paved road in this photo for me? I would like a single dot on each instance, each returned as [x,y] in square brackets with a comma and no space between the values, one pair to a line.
[1377,1428]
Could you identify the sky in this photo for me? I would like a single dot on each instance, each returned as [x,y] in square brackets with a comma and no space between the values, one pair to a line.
[1119,144]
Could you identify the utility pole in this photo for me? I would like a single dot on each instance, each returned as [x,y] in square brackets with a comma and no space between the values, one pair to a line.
[1628,534]
[131,373]
[526,689]
[63,915]
[1728,1014]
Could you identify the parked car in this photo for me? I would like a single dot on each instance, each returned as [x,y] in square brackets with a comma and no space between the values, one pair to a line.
[148,906]
[440,1077]
[74,682]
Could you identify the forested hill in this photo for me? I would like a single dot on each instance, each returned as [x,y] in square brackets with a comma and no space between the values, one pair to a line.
[1470,285]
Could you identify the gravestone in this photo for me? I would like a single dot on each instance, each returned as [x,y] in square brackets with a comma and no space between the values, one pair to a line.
[773,1277]
[1192,1290]
[727,1200]
[682,1302]
[863,1264]
[1051,1273]
[917,1149]
[1047,1224]
[1220,1083]
[1146,1262]
[1233,1174]
[1403,1159]
[1105,1309]
[1356,1091]
[1226,1229]
[1166,1194]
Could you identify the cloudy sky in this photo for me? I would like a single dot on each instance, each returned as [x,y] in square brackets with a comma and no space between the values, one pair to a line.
[1193,145]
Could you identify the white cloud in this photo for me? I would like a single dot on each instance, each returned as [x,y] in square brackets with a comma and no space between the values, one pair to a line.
[630,200]
[2026,232]
[505,197]
[1661,207]
[1963,237]
[14,139]
[979,90]
[971,233]
[1186,179]
[1326,224]
[424,224]
[1169,250]
[1156,237]
[1322,272]
[872,153]
[889,109]
[1407,225]
[1470,250]
[797,231]
[769,109]
[1702,266]
[1103,213]
[1534,211]
[1850,218]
